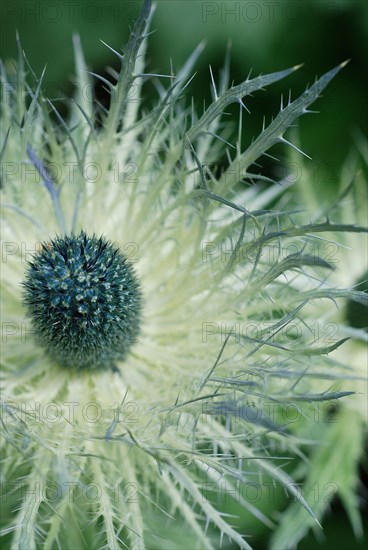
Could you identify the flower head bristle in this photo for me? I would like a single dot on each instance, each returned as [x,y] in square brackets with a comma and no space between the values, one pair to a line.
[84,301]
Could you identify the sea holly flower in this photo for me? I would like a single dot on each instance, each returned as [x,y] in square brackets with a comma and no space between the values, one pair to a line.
[84,302]
[147,297]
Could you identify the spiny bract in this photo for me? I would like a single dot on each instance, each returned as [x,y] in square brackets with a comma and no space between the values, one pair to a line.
[84,301]
[336,458]
[146,456]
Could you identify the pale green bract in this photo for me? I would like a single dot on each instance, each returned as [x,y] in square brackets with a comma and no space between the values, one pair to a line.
[134,458]
[340,444]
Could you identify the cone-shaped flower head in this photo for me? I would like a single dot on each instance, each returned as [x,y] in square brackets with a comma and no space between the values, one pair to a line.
[84,301]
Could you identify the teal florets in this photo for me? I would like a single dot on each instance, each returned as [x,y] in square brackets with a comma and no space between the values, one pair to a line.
[84,300]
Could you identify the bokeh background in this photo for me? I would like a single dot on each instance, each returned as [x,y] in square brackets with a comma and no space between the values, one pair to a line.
[265,36]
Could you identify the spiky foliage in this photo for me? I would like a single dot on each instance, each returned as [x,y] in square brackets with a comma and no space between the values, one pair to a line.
[334,462]
[108,459]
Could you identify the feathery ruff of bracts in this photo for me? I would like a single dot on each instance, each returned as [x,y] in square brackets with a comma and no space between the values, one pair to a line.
[344,426]
[147,295]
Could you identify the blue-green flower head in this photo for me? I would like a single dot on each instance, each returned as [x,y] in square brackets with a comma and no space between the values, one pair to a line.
[84,301]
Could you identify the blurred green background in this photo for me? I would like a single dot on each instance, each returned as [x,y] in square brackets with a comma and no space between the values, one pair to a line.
[266,36]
